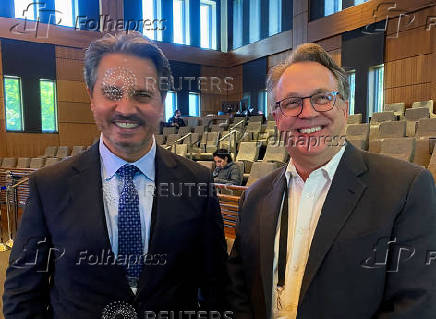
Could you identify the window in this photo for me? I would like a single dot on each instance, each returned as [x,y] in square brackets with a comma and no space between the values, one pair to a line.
[357,2]
[65,12]
[263,102]
[208,24]
[332,6]
[170,104]
[194,104]
[26,9]
[254,31]
[352,80]
[152,14]
[275,16]
[237,23]
[48,106]
[181,21]
[375,90]
[13,103]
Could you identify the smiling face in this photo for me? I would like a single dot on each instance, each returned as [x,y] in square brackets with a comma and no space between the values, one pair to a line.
[305,79]
[125,109]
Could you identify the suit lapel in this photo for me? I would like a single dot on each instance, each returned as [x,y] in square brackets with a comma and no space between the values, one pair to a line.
[86,188]
[166,172]
[87,192]
[345,192]
[268,216]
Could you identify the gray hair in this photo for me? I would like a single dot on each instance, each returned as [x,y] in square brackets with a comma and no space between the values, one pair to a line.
[309,52]
[132,43]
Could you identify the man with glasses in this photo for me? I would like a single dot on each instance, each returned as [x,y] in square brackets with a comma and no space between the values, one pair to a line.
[338,232]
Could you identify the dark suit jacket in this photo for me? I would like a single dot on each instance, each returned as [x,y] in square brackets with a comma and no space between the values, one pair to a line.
[64,223]
[373,199]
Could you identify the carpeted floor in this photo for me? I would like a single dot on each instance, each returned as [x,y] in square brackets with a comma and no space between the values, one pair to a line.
[4,258]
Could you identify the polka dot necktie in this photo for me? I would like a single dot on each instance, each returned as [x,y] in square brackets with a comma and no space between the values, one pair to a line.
[130,248]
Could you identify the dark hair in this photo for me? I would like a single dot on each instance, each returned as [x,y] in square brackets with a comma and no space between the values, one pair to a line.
[308,52]
[175,112]
[223,153]
[132,43]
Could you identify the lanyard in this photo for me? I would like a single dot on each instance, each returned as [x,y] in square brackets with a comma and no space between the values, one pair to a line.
[283,240]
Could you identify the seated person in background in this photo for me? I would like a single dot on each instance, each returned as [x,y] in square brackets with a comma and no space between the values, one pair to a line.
[226,171]
[176,120]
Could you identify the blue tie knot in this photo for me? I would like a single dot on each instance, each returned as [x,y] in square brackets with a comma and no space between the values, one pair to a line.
[127,171]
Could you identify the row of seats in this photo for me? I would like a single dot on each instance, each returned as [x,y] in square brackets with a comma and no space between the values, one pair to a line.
[26,162]
[62,151]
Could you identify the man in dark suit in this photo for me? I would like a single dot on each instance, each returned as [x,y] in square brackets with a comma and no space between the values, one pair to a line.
[338,232]
[126,228]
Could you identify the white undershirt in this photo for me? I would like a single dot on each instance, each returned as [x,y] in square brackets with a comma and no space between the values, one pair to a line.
[305,204]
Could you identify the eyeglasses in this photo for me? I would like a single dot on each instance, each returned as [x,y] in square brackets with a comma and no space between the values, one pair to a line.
[321,102]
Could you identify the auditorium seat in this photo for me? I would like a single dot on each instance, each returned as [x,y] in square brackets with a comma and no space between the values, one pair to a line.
[193,142]
[192,121]
[181,149]
[428,104]
[23,162]
[77,149]
[248,153]
[184,130]
[259,170]
[422,151]
[199,129]
[400,148]
[255,118]
[169,130]
[397,108]
[376,119]
[1,161]
[37,162]
[276,153]
[357,134]
[413,115]
[426,127]
[50,151]
[217,128]
[9,162]
[252,131]
[63,151]
[212,141]
[51,161]
[172,138]
[160,139]
[209,164]
[432,164]
[354,119]
[390,129]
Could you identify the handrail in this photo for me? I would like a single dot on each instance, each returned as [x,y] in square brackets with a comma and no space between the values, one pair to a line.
[240,122]
[229,135]
[178,140]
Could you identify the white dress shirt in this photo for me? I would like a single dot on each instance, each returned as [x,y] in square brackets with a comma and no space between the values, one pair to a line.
[305,201]
[113,185]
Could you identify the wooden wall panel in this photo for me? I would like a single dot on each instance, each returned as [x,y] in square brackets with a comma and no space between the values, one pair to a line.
[72,91]
[29,144]
[408,71]
[69,53]
[70,112]
[409,43]
[408,94]
[359,16]
[71,134]
[67,69]
[272,45]
[278,58]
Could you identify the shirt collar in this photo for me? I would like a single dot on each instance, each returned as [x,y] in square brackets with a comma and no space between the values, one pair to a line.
[329,169]
[111,163]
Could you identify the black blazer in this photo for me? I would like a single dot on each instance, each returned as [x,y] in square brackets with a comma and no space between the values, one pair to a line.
[373,199]
[61,265]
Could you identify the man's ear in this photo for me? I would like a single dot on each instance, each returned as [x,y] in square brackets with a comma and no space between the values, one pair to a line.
[90,97]
[346,109]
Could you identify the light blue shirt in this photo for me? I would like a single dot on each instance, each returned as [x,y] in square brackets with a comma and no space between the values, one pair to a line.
[113,184]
